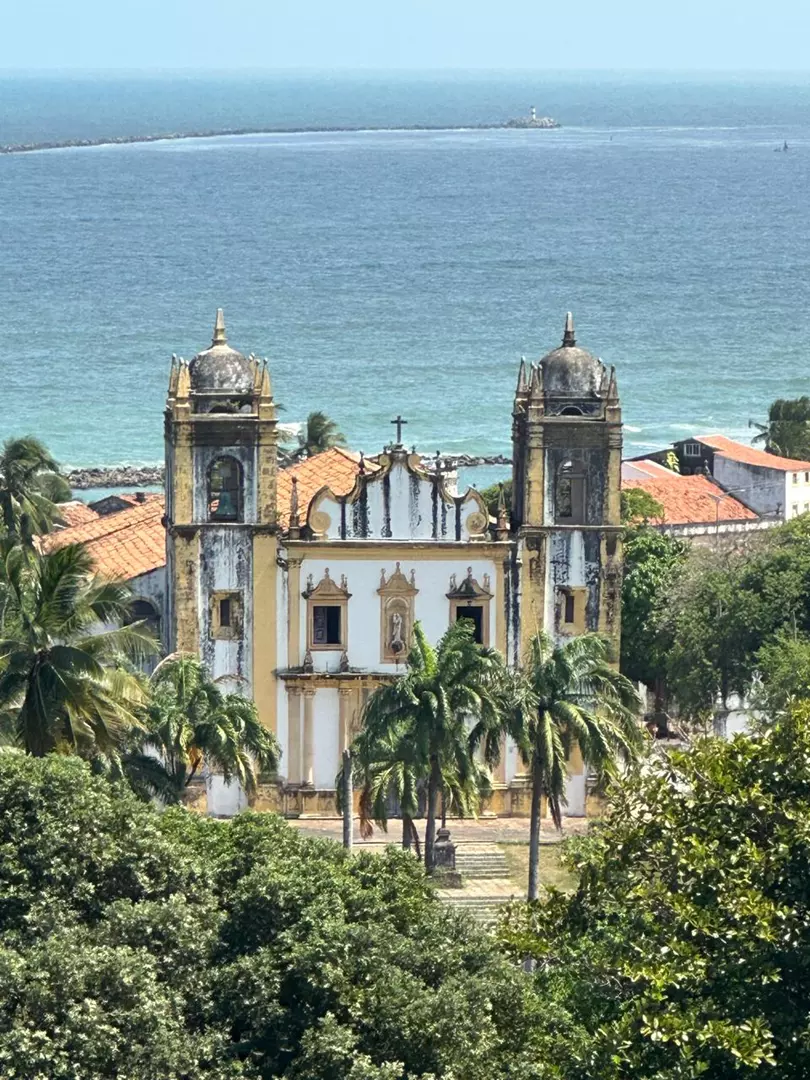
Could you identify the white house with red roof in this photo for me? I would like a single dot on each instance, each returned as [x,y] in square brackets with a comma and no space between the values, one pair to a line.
[777,488]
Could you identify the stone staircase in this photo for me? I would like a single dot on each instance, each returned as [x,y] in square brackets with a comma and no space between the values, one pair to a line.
[487,886]
[481,862]
[483,909]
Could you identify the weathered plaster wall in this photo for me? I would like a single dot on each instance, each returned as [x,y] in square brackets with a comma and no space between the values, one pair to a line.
[226,565]
[400,505]
[764,490]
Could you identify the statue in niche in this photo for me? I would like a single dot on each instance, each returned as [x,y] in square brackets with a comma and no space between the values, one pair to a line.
[395,640]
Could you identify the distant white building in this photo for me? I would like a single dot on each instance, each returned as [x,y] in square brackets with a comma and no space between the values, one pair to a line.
[775,487]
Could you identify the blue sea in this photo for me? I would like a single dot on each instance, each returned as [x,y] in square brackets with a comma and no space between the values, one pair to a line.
[386,272]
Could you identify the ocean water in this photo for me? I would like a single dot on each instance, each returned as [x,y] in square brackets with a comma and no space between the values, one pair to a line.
[403,272]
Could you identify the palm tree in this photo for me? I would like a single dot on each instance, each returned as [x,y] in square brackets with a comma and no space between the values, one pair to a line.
[30,485]
[423,717]
[567,695]
[321,433]
[191,722]
[787,432]
[61,686]
[389,767]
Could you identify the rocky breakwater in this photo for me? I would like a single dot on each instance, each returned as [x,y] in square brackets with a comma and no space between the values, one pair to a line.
[115,476]
[134,476]
[451,462]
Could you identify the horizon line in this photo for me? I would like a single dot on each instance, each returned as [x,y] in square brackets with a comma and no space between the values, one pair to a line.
[282,70]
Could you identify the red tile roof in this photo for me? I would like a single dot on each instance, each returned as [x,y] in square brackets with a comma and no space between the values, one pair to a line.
[692,500]
[126,545]
[749,455]
[645,466]
[335,468]
[132,542]
[76,513]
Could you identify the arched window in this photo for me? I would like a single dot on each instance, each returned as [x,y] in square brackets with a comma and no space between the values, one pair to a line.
[571,410]
[569,496]
[225,490]
[146,612]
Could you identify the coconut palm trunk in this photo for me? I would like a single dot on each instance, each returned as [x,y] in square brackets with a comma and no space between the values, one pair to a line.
[410,835]
[568,695]
[434,787]
[534,828]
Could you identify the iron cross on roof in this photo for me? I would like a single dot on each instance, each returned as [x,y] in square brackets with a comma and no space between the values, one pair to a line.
[399,422]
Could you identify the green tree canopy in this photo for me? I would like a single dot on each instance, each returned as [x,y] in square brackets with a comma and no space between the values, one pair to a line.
[787,431]
[652,562]
[139,945]
[422,720]
[320,433]
[639,506]
[726,605]
[567,696]
[685,950]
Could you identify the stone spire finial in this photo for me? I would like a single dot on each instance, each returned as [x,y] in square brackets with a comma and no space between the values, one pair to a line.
[502,521]
[219,330]
[295,521]
[265,388]
[568,336]
[536,382]
[183,388]
[173,371]
[522,385]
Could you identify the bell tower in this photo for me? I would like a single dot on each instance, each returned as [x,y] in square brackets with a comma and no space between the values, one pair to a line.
[567,444]
[221,462]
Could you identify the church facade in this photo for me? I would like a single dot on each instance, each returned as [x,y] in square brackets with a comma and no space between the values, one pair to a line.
[300,587]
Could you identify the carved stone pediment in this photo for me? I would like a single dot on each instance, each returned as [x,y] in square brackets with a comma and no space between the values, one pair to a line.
[468,588]
[326,591]
[398,584]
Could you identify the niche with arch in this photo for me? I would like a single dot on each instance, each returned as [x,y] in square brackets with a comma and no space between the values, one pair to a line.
[396,615]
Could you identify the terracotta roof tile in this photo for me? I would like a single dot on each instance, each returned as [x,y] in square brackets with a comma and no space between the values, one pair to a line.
[133,542]
[335,468]
[646,467]
[76,513]
[749,455]
[126,544]
[692,500]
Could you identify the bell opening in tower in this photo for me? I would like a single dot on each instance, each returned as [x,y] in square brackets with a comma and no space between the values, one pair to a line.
[225,490]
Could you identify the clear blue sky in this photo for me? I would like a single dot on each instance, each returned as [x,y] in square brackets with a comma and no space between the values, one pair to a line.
[522,34]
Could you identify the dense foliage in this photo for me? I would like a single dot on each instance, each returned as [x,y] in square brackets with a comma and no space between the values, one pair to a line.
[565,697]
[726,606]
[787,431]
[685,951]
[137,945]
[30,488]
[652,562]
[60,683]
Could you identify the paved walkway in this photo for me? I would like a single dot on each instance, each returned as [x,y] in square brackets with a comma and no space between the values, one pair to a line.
[480,831]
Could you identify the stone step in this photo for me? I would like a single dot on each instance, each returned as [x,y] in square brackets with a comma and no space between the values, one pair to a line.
[484,909]
[477,864]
